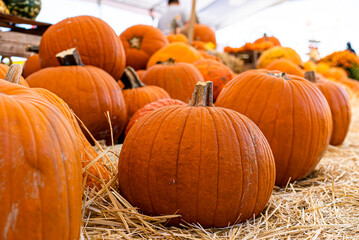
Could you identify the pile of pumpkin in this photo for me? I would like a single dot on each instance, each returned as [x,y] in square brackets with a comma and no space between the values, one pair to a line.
[215,165]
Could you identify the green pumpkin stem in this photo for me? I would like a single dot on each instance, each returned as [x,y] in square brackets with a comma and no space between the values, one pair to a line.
[69,57]
[13,75]
[130,79]
[310,75]
[202,95]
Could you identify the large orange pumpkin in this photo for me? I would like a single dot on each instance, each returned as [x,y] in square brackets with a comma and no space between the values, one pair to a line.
[271,39]
[291,112]
[287,66]
[178,51]
[95,40]
[339,103]
[140,42]
[31,65]
[150,107]
[4,69]
[216,72]
[278,52]
[89,91]
[178,79]
[40,169]
[204,33]
[211,165]
[137,94]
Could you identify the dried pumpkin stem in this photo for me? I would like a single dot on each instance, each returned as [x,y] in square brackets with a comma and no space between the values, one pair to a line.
[202,95]
[69,57]
[130,79]
[13,75]
[170,61]
[310,75]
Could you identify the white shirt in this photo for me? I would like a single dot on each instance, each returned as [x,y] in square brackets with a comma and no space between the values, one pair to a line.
[174,11]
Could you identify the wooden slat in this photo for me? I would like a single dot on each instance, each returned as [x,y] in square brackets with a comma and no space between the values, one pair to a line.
[16,44]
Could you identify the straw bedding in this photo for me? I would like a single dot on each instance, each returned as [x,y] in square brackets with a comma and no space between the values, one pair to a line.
[325,205]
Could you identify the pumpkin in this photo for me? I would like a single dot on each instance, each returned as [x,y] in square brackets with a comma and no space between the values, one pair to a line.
[40,171]
[177,38]
[210,165]
[4,69]
[94,39]
[278,52]
[321,67]
[89,91]
[270,39]
[31,65]
[24,8]
[337,73]
[209,55]
[216,72]
[140,42]
[309,66]
[204,33]
[290,111]
[150,107]
[137,94]
[285,65]
[339,104]
[178,79]
[178,51]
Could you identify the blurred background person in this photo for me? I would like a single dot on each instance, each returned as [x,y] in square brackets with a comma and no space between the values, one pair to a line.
[174,18]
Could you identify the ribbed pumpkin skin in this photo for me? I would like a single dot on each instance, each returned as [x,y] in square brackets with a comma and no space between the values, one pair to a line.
[212,164]
[152,40]
[4,68]
[136,98]
[94,39]
[216,72]
[179,51]
[292,114]
[204,33]
[88,153]
[31,65]
[178,79]
[278,52]
[40,170]
[90,92]
[339,103]
[287,66]
[150,107]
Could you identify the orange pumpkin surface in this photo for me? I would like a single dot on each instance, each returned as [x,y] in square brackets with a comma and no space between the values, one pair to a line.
[32,64]
[287,66]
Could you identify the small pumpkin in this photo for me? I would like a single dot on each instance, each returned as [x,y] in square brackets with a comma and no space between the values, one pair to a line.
[216,72]
[137,94]
[4,69]
[178,79]
[31,65]
[287,66]
[150,107]
[204,33]
[178,51]
[309,66]
[140,42]
[89,91]
[177,38]
[211,165]
[94,39]
[290,111]
[40,169]
[278,52]
[339,103]
[271,39]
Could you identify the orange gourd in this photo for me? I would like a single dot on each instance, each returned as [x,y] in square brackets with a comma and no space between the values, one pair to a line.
[94,39]
[290,111]
[211,165]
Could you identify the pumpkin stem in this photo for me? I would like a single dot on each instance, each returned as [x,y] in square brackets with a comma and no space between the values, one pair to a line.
[135,42]
[310,75]
[130,79]
[14,73]
[170,61]
[202,95]
[69,57]
[265,37]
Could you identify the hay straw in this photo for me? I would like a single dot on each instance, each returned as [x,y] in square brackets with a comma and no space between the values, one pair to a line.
[325,205]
